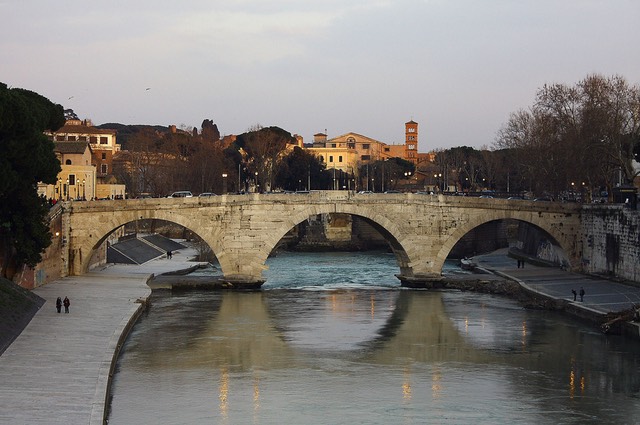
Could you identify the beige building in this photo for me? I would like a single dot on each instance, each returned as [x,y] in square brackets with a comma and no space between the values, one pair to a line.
[349,151]
[77,180]
[102,141]
[86,158]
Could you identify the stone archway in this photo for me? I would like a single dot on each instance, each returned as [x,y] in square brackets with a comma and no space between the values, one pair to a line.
[566,245]
[95,233]
[390,231]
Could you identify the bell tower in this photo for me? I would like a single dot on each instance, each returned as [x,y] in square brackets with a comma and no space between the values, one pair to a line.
[411,141]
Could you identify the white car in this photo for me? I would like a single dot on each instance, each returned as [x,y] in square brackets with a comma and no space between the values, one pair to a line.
[181,194]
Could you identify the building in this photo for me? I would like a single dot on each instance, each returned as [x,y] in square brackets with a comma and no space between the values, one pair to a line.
[349,151]
[102,141]
[77,179]
[86,158]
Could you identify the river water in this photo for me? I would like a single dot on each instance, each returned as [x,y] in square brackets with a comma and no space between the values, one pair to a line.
[333,339]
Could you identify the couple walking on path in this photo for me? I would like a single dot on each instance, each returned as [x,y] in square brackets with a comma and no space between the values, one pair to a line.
[573,291]
[60,303]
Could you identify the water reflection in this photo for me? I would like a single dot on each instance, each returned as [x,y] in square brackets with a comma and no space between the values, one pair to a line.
[374,356]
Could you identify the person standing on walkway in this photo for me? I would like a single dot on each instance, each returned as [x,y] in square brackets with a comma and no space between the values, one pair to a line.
[573,291]
[169,254]
[66,303]
[59,304]
[582,294]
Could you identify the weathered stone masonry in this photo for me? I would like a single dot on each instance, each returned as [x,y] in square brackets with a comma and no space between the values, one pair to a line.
[611,241]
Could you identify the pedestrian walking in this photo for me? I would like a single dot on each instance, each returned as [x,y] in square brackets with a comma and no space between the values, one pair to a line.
[582,294]
[59,304]
[169,254]
[66,303]
[573,291]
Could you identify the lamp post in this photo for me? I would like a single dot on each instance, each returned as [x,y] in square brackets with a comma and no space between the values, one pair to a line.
[224,183]
[84,190]
[257,185]
[66,190]
[239,179]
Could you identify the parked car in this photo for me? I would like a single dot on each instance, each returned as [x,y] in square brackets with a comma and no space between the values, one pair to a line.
[181,194]
[205,194]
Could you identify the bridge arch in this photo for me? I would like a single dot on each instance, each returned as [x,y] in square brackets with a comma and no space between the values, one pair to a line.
[84,248]
[387,228]
[497,215]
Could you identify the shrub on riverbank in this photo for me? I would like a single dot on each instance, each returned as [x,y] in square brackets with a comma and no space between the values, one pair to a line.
[17,308]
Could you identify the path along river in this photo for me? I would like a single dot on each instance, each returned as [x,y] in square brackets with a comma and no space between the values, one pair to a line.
[333,339]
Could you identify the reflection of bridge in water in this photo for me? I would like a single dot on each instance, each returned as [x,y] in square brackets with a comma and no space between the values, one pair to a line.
[260,333]
[242,230]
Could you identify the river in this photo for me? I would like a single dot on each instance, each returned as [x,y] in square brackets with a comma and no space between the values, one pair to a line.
[333,339]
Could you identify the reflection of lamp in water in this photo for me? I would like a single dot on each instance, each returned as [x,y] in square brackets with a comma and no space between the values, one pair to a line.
[406,385]
[256,394]
[224,392]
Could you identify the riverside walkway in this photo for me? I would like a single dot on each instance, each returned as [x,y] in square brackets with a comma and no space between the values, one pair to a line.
[602,296]
[57,371]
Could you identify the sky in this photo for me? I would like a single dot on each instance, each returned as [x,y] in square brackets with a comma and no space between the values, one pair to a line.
[457,67]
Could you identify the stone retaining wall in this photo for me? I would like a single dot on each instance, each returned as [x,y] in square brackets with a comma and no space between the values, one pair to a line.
[611,241]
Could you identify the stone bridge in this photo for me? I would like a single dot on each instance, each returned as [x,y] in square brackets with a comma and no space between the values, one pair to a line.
[242,230]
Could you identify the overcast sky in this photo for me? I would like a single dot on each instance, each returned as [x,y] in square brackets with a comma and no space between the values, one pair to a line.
[457,67]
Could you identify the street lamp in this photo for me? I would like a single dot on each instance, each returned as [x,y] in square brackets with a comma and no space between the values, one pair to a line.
[66,190]
[84,190]
[257,185]
[224,183]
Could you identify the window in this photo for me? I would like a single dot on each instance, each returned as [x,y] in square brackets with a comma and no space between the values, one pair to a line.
[333,145]
[104,155]
[365,146]
[340,158]
[412,137]
[387,149]
[103,140]
[72,179]
[71,138]
[365,157]
[82,138]
[93,139]
[412,130]
[67,162]
[330,158]
[104,168]
[412,147]
[351,143]
[60,138]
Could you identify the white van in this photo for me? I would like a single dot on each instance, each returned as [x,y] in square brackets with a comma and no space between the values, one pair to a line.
[181,194]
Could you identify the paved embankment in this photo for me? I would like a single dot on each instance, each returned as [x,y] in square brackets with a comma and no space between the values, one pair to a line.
[58,370]
[602,296]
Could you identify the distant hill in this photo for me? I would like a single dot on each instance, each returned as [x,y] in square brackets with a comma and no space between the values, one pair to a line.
[125,131]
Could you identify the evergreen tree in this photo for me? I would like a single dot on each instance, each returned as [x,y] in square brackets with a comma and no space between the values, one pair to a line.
[26,158]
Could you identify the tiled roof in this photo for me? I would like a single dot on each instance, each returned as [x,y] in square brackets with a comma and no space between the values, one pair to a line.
[71,147]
